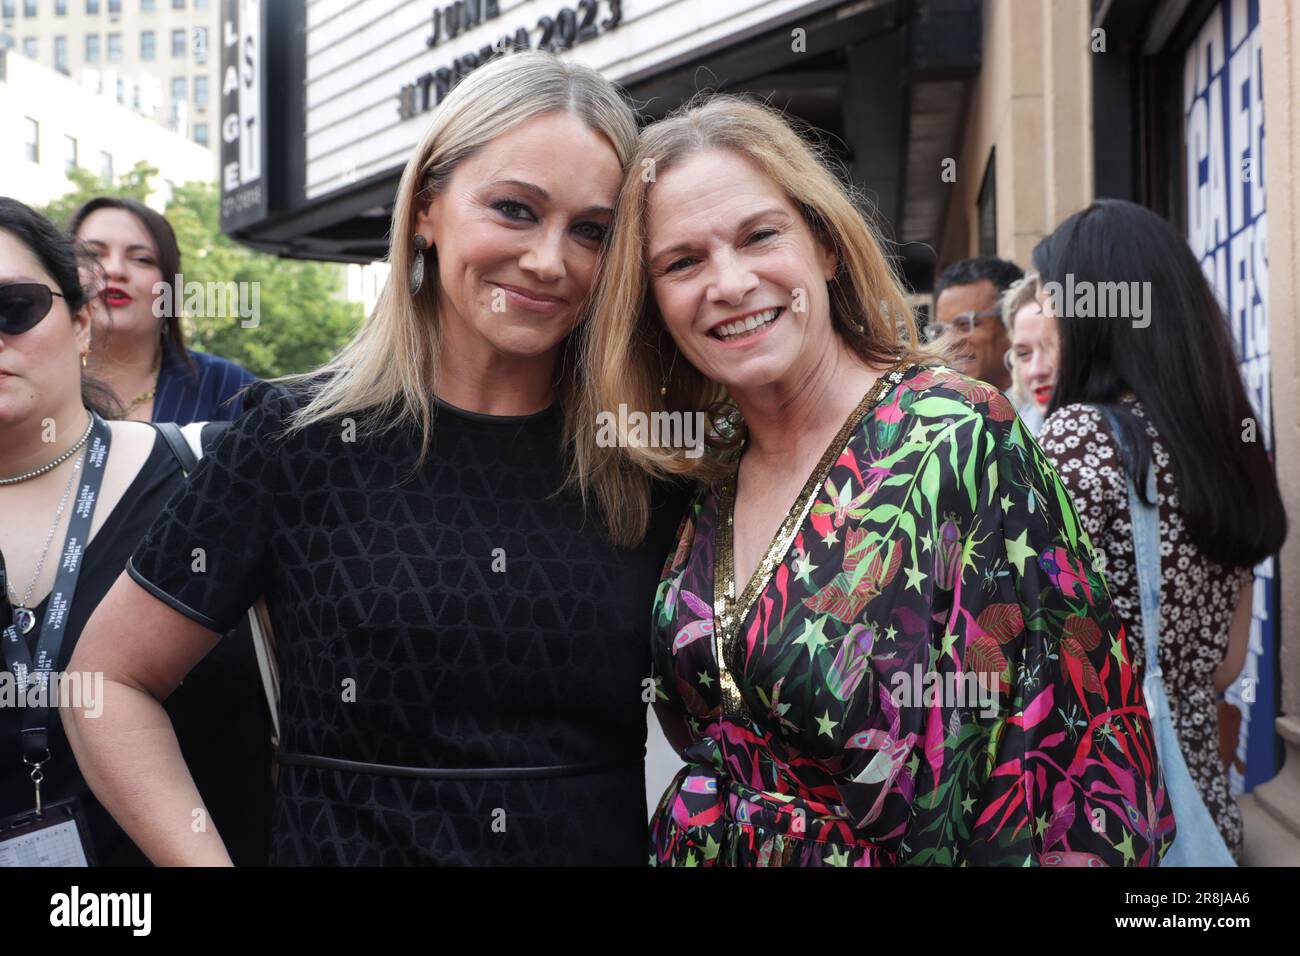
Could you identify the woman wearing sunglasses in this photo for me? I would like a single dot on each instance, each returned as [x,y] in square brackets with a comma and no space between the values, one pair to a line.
[77,493]
[136,351]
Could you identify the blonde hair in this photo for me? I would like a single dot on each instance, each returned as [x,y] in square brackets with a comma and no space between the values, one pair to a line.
[386,375]
[1018,295]
[628,353]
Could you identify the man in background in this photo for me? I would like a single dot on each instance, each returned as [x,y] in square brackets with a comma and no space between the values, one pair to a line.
[967,304]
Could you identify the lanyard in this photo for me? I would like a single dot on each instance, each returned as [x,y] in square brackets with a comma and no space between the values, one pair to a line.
[18,657]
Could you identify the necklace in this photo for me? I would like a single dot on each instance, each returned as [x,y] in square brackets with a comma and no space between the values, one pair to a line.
[149,393]
[50,466]
[731,611]
[24,617]
[138,401]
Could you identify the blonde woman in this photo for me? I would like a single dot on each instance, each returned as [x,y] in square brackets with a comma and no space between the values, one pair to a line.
[1032,357]
[462,656]
[880,639]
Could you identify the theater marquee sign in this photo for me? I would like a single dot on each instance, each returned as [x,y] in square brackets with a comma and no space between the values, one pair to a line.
[561,30]
[375,68]
[243,128]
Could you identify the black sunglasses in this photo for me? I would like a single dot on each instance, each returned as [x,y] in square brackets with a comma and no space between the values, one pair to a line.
[23,305]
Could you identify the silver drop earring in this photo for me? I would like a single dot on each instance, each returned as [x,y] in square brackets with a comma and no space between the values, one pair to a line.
[417,264]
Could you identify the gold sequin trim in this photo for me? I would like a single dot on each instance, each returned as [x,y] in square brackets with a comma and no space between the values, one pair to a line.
[729,613]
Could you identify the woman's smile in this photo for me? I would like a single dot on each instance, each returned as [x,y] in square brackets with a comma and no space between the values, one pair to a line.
[747,328]
[529,300]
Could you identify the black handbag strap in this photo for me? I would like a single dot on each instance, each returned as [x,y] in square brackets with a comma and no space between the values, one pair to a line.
[171,433]
[209,434]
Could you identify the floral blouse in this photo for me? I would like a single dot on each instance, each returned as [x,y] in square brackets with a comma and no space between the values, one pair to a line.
[925,668]
[1197,595]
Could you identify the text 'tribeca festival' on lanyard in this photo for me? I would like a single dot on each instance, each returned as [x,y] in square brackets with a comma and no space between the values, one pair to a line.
[18,657]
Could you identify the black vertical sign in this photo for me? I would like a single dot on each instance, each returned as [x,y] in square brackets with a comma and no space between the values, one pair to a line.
[243,176]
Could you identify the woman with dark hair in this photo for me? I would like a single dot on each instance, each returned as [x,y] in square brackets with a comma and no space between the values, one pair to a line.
[77,494]
[1160,377]
[141,355]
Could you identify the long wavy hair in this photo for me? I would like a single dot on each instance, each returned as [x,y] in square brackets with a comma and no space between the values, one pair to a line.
[1181,365]
[628,353]
[387,375]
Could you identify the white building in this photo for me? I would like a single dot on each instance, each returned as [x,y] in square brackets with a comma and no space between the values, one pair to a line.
[157,57]
[52,124]
[363,283]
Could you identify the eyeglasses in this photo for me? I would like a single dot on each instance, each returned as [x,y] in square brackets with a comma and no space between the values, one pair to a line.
[962,324]
[23,305]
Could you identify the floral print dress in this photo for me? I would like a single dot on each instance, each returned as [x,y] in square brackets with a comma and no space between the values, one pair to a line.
[925,668]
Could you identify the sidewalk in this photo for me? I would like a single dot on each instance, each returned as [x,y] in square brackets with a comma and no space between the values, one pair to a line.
[1267,842]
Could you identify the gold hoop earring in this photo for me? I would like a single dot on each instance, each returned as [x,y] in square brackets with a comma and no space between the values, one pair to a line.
[83,359]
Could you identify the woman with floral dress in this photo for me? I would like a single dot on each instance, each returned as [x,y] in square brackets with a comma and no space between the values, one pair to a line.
[880,639]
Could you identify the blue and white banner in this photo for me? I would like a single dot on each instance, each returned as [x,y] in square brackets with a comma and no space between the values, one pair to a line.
[1227,227]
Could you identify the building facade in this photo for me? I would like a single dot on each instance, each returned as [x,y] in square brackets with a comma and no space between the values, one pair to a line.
[1164,103]
[973,127]
[156,57]
[57,125]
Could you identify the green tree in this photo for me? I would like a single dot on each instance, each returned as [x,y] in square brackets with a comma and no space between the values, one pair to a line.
[86,185]
[301,320]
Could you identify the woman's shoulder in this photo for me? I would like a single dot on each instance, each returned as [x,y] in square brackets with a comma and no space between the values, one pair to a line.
[264,400]
[277,421]
[266,418]
[127,431]
[142,472]
[1077,429]
[1077,440]
[939,392]
[1077,417]
[132,445]
[209,364]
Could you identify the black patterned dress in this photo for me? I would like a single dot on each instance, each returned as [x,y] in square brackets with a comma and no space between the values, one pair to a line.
[460,625]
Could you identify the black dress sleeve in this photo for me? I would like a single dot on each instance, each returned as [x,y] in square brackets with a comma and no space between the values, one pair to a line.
[207,554]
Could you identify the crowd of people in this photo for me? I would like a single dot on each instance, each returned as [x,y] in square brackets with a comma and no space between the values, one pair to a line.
[1135,415]
[472,598]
